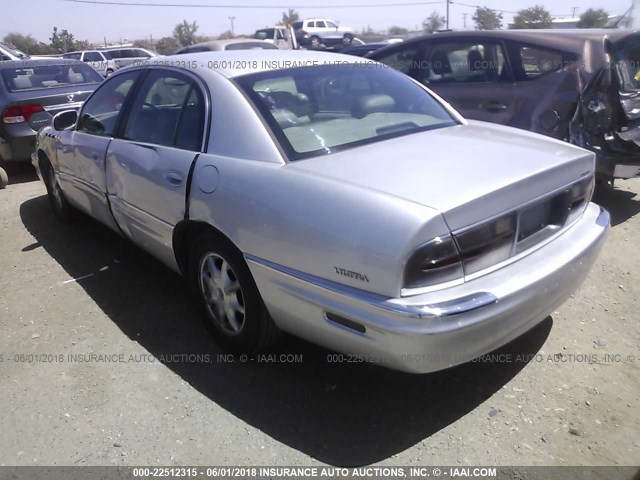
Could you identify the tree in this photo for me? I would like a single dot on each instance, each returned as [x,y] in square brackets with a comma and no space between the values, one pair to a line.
[433,22]
[61,42]
[289,17]
[533,18]
[487,19]
[167,45]
[185,33]
[395,30]
[226,35]
[24,43]
[593,19]
[143,44]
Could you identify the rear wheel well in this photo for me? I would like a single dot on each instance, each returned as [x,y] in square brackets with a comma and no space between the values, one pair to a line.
[186,233]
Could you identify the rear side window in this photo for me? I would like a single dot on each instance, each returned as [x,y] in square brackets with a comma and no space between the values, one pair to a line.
[141,53]
[168,111]
[531,62]
[100,113]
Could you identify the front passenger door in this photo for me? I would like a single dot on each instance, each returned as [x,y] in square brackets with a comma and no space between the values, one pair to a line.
[148,166]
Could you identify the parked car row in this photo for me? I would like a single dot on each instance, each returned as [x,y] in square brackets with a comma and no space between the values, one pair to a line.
[580,86]
[31,93]
[365,214]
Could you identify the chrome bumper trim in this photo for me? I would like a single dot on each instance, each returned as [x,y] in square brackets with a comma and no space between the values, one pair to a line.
[443,309]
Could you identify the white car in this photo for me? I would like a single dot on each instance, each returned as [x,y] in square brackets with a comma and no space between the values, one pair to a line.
[315,32]
[101,61]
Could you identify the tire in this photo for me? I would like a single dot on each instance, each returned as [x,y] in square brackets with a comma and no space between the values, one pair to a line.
[231,305]
[314,41]
[61,207]
[4,178]
[347,40]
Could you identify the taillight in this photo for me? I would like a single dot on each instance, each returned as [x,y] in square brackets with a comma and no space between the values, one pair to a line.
[433,263]
[20,113]
[487,244]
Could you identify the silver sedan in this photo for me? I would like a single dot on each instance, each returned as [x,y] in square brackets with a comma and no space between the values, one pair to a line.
[332,198]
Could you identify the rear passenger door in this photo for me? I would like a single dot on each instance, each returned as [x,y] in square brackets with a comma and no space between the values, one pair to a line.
[547,88]
[148,165]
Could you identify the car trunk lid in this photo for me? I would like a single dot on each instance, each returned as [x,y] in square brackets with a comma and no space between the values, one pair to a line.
[468,172]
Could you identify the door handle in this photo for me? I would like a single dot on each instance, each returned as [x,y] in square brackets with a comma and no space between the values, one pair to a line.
[173,178]
[494,106]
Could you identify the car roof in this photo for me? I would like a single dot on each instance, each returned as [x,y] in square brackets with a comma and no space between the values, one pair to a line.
[11,64]
[81,51]
[254,61]
[569,39]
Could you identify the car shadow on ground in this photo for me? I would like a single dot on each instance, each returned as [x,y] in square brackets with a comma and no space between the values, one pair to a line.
[346,414]
[622,204]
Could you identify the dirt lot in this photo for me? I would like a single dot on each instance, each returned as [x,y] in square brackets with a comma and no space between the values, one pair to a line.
[71,291]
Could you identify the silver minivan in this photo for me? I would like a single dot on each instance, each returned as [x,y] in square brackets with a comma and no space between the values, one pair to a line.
[99,60]
[125,56]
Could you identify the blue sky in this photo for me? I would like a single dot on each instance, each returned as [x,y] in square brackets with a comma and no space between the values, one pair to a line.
[94,22]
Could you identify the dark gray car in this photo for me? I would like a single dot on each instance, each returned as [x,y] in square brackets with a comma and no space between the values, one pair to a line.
[31,92]
[581,86]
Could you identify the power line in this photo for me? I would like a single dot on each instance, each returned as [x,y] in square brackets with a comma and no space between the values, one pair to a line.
[199,5]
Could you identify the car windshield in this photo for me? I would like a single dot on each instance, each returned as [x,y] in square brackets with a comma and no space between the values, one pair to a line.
[37,77]
[322,109]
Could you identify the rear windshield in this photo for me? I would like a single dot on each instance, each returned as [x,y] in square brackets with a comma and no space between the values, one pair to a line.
[48,76]
[251,46]
[322,109]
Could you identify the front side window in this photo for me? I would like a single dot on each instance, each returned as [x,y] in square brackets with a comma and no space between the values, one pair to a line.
[168,111]
[100,113]
[332,25]
[532,62]
[92,57]
[319,110]
[115,53]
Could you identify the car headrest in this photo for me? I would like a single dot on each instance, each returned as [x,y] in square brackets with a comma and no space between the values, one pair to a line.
[76,78]
[21,83]
[476,62]
[440,63]
[366,104]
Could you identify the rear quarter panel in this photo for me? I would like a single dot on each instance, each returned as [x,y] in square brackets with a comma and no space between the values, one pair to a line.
[310,223]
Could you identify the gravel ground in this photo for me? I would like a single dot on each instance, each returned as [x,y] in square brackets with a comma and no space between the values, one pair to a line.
[71,291]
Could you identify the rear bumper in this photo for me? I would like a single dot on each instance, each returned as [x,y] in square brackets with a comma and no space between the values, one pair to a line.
[436,330]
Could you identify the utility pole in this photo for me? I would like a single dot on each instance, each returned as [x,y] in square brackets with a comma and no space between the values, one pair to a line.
[448,1]
[464,20]
[232,19]
[573,13]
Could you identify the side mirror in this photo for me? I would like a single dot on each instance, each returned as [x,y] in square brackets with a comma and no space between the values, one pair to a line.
[65,120]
